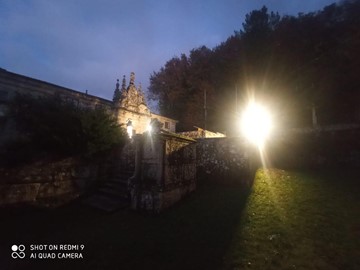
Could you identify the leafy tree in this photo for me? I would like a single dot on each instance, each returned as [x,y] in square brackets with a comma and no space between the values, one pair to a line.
[290,62]
[260,22]
[168,85]
[180,87]
[100,131]
[52,127]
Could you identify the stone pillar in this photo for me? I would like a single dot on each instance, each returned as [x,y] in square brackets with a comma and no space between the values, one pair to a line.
[165,171]
[134,181]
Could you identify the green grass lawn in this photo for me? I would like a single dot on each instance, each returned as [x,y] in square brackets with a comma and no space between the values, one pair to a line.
[299,221]
[289,220]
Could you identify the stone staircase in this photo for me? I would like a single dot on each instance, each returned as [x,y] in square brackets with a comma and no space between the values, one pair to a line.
[112,195]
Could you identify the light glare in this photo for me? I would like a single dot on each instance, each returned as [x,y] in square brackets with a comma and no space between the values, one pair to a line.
[129,131]
[149,128]
[256,124]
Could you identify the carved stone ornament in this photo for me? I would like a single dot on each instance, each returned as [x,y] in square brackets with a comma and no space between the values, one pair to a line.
[133,98]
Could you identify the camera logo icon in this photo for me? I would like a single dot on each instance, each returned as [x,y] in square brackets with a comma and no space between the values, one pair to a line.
[18,251]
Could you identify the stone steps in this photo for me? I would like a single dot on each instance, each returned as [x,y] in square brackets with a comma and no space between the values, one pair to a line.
[120,192]
[105,203]
[113,195]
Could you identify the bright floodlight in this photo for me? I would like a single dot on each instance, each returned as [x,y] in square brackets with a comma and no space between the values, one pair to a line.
[256,124]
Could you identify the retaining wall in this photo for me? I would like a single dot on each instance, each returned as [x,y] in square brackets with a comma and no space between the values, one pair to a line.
[41,181]
[224,159]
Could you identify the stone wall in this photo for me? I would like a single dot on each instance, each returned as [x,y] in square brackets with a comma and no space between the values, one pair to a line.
[40,182]
[165,171]
[316,149]
[224,159]
[202,133]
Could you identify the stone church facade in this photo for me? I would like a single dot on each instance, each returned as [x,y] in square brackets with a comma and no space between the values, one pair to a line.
[128,104]
[130,107]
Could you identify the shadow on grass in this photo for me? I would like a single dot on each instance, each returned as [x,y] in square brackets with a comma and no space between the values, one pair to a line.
[195,234]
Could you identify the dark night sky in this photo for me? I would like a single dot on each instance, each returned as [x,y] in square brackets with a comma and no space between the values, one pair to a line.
[87,44]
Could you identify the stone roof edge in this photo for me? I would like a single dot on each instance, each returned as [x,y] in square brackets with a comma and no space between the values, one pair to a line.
[155,114]
[218,132]
[59,86]
[176,135]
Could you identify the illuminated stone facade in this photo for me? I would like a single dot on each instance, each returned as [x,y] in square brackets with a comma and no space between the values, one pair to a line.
[130,105]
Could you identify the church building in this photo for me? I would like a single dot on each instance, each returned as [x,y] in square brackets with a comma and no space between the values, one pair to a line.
[128,104]
[131,109]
